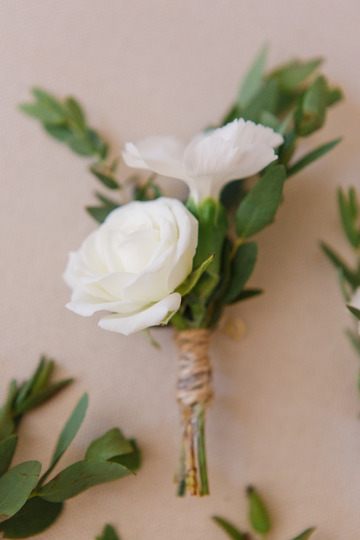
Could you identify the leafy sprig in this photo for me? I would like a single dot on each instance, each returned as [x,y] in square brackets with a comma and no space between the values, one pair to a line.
[348,275]
[259,520]
[29,503]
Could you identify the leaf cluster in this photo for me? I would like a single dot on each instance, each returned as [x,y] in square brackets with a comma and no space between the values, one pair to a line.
[29,503]
[259,520]
[348,275]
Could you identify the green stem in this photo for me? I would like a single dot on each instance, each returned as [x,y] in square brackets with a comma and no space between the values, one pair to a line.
[201,448]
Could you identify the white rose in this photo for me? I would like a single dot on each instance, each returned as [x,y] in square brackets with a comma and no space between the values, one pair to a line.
[211,160]
[132,264]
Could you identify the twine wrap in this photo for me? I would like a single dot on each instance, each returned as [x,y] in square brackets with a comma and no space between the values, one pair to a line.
[194,376]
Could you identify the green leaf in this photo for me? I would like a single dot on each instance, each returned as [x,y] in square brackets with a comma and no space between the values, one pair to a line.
[7,424]
[305,535]
[16,486]
[190,282]
[33,518]
[43,395]
[247,294]
[242,267]
[76,113]
[99,213]
[258,514]
[68,433]
[42,378]
[355,340]
[347,219]
[312,156]
[59,132]
[259,207]
[7,449]
[80,476]
[266,100]
[253,79]
[108,533]
[132,460]
[80,145]
[229,528]
[112,444]
[49,101]
[26,388]
[334,258]
[106,179]
[355,311]
[40,112]
[353,202]
[311,112]
[293,74]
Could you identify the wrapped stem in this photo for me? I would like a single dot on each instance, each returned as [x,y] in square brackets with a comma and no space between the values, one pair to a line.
[194,393]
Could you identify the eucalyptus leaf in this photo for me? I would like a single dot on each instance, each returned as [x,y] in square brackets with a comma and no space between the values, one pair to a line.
[16,486]
[266,100]
[108,533]
[132,460]
[46,99]
[76,113]
[191,281]
[312,156]
[43,395]
[7,424]
[294,73]
[112,444]
[352,278]
[68,433]
[311,112]
[258,208]
[80,476]
[60,132]
[108,180]
[7,450]
[258,513]
[253,79]
[305,535]
[242,267]
[347,219]
[33,518]
[229,528]
[81,145]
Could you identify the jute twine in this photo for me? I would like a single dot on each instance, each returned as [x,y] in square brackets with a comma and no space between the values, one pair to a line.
[194,376]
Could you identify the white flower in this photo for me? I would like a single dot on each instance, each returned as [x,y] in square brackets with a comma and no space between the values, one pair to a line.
[211,160]
[132,264]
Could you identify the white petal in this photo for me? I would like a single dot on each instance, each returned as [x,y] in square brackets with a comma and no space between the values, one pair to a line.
[154,315]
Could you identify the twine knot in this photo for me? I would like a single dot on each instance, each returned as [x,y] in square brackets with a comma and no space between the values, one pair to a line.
[194,376]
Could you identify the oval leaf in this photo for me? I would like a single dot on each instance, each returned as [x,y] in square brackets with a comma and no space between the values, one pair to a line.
[112,444]
[33,518]
[7,449]
[79,477]
[229,528]
[16,486]
[241,269]
[258,514]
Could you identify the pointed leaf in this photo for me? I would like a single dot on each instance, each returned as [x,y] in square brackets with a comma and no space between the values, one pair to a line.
[253,79]
[7,424]
[266,100]
[295,73]
[246,294]
[99,213]
[132,460]
[259,207]
[355,340]
[305,535]
[33,518]
[229,528]
[311,112]
[333,257]
[312,156]
[79,477]
[46,99]
[108,533]
[347,219]
[108,180]
[112,444]
[69,431]
[7,450]
[355,311]
[258,514]
[58,131]
[353,202]
[242,267]
[76,113]
[16,486]
[190,282]
[43,395]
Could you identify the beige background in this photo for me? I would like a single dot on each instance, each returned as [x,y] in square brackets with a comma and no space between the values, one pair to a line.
[286,411]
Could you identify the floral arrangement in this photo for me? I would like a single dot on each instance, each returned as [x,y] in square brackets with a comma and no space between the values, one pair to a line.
[156,260]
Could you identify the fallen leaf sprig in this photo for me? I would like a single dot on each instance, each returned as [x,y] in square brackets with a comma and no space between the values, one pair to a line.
[259,520]
[29,503]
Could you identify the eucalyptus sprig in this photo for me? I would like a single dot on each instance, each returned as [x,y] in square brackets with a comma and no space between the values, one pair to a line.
[259,520]
[29,503]
[348,275]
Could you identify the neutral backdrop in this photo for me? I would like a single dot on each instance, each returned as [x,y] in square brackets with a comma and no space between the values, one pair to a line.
[285,417]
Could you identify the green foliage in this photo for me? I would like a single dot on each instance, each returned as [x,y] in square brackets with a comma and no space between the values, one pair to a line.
[100,213]
[305,535]
[258,208]
[349,213]
[242,266]
[258,513]
[312,156]
[229,528]
[28,505]
[190,282]
[30,394]
[108,533]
